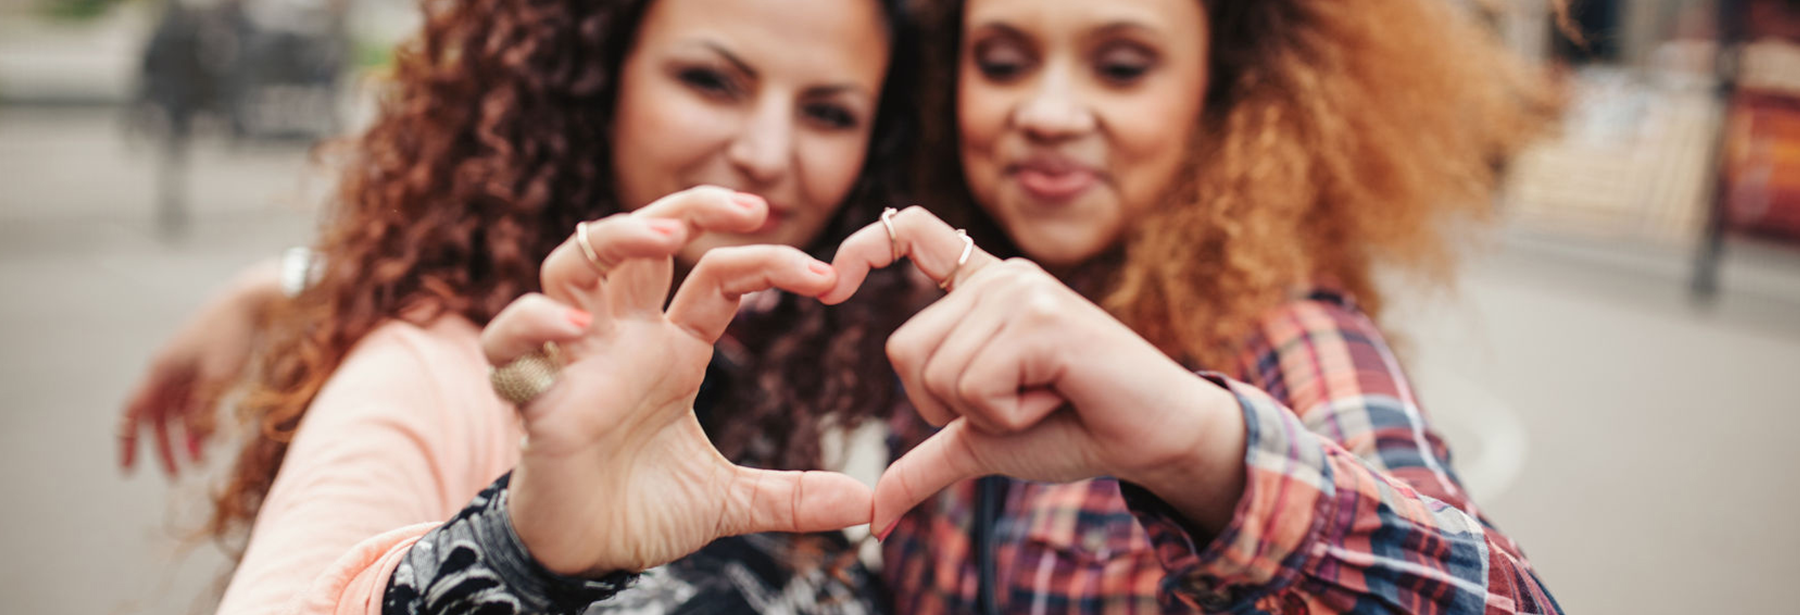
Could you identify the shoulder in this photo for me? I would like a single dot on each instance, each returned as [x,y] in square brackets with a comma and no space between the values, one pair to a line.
[1316,347]
[401,354]
[447,341]
[1313,316]
[1313,322]
[405,368]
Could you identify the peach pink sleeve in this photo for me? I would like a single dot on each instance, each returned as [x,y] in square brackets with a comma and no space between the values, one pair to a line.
[401,438]
[355,583]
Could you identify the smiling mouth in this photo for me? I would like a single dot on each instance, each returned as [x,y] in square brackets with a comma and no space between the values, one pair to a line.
[1054,183]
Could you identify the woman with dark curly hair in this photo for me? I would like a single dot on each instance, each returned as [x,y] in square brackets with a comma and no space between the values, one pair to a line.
[507,125]
[1181,360]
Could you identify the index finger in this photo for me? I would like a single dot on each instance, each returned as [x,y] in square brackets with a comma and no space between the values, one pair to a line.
[932,244]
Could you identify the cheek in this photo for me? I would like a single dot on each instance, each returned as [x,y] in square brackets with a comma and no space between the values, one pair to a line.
[1151,132]
[981,113]
[659,134]
[828,168]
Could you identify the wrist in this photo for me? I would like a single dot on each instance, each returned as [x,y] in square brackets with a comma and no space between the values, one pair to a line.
[545,539]
[1204,479]
[257,286]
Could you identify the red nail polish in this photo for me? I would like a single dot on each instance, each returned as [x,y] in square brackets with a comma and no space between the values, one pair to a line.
[819,268]
[580,319]
[747,200]
[666,227]
[883,536]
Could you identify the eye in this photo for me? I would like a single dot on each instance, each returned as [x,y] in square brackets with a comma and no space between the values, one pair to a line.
[707,81]
[830,115]
[1001,61]
[1124,65]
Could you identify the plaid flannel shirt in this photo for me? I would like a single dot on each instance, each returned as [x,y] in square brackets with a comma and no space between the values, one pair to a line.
[1349,506]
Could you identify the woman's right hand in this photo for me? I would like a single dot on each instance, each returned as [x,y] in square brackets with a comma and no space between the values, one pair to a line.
[615,472]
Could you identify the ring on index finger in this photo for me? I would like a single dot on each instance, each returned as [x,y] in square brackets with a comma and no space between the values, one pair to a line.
[968,248]
[887,220]
[587,250]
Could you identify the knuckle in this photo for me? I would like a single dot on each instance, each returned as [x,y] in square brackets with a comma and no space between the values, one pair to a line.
[1038,307]
[969,395]
[897,351]
[940,380]
[709,194]
[1022,266]
[912,218]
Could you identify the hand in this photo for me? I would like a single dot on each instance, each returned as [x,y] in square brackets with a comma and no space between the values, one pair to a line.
[1029,379]
[616,473]
[196,367]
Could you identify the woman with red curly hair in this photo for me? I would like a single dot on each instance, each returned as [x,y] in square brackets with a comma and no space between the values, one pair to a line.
[554,146]
[1174,396]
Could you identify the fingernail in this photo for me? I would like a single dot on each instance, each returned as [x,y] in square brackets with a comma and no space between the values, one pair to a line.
[580,319]
[666,227]
[883,536]
[747,200]
[819,268]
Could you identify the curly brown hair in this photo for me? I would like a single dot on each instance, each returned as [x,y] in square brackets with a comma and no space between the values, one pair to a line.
[492,143]
[1335,136]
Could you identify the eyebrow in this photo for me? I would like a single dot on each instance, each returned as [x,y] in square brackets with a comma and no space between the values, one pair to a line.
[742,66]
[730,57]
[1112,27]
[1120,26]
[835,89]
[1001,27]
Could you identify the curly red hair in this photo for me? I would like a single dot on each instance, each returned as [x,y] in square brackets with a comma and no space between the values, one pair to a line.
[1335,136]
[491,145]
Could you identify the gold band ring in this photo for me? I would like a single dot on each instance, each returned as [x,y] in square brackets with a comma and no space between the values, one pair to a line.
[587,250]
[887,220]
[968,248]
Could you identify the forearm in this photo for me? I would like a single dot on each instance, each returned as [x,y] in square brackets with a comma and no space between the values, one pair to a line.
[1317,524]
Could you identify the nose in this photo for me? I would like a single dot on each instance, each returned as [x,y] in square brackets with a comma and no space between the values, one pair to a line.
[763,150]
[1054,109]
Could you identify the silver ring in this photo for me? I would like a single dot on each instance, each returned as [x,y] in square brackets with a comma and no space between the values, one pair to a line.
[523,379]
[968,248]
[887,220]
[587,249]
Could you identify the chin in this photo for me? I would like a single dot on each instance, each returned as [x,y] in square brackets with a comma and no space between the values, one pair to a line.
[1058,250]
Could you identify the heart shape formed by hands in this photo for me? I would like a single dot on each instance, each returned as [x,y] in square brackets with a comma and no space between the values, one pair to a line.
[1026,377]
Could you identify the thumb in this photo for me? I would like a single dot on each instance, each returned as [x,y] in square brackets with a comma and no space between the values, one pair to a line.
[792,501]
[941,460]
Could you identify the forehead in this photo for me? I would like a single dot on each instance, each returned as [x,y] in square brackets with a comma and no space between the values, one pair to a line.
[827,40]
[1172,17]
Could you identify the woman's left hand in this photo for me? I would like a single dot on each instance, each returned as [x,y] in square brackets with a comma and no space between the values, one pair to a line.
[1029,379]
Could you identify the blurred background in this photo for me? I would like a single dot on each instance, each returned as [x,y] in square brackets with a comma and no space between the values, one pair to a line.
[1612,371]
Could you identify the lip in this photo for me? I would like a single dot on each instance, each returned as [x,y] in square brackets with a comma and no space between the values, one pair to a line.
[778,214]
[1052,178]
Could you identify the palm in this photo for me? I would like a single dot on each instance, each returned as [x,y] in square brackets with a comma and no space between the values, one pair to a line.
[616,473]
[663,478]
